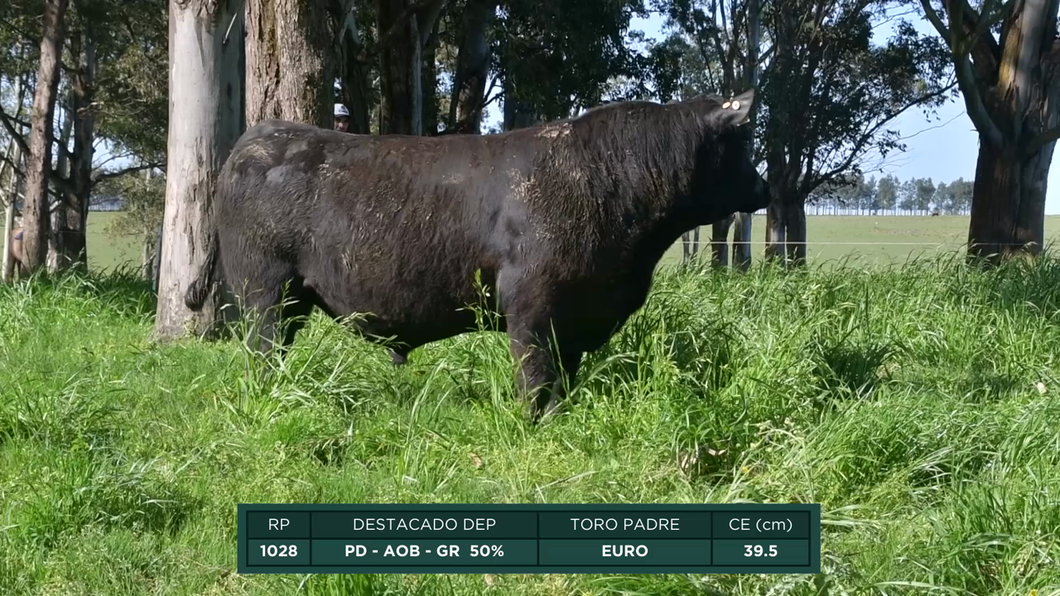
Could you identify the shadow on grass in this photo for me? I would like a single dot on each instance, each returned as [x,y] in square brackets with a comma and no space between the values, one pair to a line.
[850,369]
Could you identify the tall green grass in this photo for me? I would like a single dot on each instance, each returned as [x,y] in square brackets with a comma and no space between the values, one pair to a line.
[919,405]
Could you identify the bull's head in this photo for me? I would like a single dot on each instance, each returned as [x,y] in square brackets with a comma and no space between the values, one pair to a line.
[735,182]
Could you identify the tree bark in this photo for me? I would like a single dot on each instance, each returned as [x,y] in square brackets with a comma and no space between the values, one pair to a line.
[741,241]
[35,219]
[289,70]
[204,120]
[795,232]
[12,153]
[776,231]
[472,68]
[58,211]
[146,257]
[430,84]
[354,73]
[517,112]
[9,226]
[74,245]
[7,265]
[1008,203]
[400,69]
[156,269]
[720,242]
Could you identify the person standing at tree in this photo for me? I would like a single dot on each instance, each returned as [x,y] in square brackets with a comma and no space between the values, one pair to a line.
[342,118]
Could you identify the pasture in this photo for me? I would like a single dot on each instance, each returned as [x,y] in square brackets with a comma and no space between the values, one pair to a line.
[918,405]
[858,240]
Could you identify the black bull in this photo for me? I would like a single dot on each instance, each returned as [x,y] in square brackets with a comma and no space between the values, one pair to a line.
[565,221]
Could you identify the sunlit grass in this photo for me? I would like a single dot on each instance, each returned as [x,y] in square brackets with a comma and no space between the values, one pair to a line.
[917,405]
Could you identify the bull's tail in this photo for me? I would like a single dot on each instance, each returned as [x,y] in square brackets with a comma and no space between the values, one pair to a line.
[199,288]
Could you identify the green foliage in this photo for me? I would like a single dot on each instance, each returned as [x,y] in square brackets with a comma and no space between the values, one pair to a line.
[830,92]
[144,201]
[919,194]
[678,70]
[131,101]
[887,192]
[561,55]
[132,79]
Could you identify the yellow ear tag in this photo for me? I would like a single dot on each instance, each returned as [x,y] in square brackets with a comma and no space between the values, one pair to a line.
[725,106]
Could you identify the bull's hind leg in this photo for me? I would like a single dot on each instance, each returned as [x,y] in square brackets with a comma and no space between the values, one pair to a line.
[276,305]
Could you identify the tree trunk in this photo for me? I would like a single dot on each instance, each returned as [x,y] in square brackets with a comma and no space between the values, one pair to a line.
[156,270]
[775,231]
[720,242]
[262,62]
[741,236]
[517,113]
[430,84]
[741,241]
[8,199]
[400,65]
[204,119]
[1008,203]
[58,211]
[9,225]
[146,257]
[472,68]
[354,73]
[1011,89]
[289,72]
[74,246]
[795,232]
[35,220]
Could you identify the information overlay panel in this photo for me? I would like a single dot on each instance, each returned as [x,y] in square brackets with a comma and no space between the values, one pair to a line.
[560,538]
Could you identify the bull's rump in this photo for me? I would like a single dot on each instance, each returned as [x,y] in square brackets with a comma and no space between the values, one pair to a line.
[392,226]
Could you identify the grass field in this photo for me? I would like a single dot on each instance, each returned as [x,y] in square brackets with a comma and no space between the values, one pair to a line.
[855,240]
[917,405]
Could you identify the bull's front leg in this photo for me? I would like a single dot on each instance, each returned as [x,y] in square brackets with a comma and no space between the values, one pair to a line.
[540,381]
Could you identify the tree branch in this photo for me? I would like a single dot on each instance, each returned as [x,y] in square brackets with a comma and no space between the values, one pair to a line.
[112,158]
[10,121]
[15,135]
[118,173]
[399,22]
[980,43]
[936,21]
[7,160]
[867,136]
[1035,145]
[973,98]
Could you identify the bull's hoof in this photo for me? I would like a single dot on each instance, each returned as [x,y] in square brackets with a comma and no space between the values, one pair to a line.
[398,358]
[546,408]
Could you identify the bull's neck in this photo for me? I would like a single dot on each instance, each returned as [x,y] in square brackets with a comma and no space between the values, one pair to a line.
[665,204]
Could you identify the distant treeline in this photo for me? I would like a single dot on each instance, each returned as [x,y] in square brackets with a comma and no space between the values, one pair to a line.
[891,196]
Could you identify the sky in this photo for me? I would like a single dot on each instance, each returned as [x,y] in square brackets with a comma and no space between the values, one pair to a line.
[944,148]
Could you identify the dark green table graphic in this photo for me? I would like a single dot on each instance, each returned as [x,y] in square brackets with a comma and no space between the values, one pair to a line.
[555,538]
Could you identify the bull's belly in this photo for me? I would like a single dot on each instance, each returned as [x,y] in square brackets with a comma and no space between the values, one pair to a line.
[404,313]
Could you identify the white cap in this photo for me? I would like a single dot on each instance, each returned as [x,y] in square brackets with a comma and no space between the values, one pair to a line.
[340,110]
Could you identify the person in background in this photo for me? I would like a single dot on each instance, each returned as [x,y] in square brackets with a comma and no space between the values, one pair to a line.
[342,118]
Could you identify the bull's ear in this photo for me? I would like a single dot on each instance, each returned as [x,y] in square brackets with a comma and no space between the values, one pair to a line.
[737,111]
